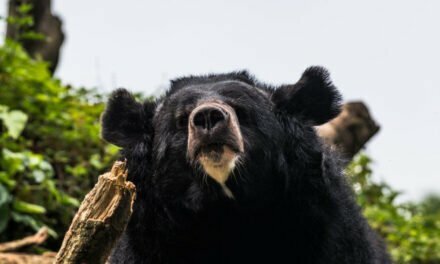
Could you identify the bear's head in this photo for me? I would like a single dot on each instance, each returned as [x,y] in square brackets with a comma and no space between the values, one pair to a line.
[224,135]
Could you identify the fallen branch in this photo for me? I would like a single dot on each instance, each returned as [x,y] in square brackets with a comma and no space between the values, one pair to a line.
[19,258]
[100,220]
[35,239]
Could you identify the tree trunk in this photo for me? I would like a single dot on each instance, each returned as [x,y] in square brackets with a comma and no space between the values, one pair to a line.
[46,24]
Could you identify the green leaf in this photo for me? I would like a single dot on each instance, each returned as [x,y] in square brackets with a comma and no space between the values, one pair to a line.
[38,176]
[67,200]
[32,222]
[95,161]
[14,160]
[14,121]
[5,179]
[29,208]
[32,35]
[24,8]
[5,197]
[26,220]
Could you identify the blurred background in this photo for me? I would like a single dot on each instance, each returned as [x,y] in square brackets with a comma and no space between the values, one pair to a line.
[60,59]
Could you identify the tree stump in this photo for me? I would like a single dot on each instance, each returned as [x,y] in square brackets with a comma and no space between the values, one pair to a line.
[100,220]
[350,130]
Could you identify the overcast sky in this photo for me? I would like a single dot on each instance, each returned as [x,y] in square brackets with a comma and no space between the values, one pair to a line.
[385,53]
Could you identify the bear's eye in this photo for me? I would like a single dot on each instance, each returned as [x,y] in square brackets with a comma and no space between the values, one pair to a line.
[182,121]
[241,114]
[234,93]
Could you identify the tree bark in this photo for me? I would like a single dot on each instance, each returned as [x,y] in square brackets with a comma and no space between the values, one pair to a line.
[100,220]
[350,130]
[46,24]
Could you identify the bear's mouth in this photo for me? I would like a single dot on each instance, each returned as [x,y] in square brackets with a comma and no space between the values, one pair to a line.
[215,151]
[218,161]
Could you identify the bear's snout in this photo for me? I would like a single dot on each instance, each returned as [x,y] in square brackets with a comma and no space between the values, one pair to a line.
[208,117]
[214,138]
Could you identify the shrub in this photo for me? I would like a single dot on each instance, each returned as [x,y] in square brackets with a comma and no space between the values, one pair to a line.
[412,231]
[50,149]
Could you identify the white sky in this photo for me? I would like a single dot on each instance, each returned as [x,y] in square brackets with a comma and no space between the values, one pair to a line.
[386,53]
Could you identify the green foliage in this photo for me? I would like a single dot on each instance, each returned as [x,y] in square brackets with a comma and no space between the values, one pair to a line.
[412,231]
[50,148]
[23,24]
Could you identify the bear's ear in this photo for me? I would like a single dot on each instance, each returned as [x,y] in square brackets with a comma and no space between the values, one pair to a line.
[125,121]
[314,98]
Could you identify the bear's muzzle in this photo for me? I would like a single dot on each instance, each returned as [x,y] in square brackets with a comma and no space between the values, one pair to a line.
[214,139]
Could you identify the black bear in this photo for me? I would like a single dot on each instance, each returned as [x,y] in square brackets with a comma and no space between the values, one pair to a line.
[230,170]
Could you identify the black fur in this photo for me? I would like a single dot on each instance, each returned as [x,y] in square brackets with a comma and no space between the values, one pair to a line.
[292,204]
[306,99]
[133,124]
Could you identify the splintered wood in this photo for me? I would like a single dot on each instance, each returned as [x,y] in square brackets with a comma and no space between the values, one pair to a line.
[100,220]
[350,130]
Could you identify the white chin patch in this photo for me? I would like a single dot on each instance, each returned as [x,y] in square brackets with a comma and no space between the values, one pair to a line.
[219,166]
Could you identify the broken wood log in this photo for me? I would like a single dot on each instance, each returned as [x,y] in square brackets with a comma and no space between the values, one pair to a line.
[350,130]
[100,220]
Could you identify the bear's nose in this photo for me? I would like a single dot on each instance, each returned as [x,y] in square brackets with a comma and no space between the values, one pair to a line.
[209,117]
